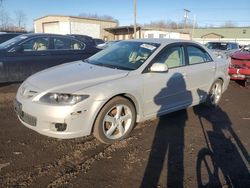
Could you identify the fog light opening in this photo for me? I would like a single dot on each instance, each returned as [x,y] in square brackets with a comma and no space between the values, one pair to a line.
[60,127]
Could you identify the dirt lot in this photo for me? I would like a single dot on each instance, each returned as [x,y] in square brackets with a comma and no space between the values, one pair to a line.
[191,148]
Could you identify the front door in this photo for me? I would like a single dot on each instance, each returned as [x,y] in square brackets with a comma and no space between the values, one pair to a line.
[167,91]
[32,58]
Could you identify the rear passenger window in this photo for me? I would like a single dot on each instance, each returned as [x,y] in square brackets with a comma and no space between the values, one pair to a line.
[197,55]
[67,44]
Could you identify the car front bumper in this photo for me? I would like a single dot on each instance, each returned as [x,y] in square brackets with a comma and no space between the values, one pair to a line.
[57,121]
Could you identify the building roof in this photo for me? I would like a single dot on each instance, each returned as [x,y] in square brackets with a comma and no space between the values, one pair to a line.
[234,32]
[122,28]
[212,34]
[76,17]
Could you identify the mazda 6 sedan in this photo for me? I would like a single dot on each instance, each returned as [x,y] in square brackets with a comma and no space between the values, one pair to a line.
[129,82]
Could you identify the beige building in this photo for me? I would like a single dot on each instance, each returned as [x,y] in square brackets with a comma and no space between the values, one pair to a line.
[233,34]
[74,25]
[127,32]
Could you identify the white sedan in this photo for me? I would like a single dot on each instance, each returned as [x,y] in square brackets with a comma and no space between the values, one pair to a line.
[129,82]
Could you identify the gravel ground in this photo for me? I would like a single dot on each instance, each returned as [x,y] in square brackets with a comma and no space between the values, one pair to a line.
[196,147]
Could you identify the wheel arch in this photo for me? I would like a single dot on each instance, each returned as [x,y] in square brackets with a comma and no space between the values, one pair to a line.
[220,78]
[127,96]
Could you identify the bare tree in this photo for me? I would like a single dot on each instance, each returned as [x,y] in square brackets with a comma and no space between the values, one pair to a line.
[229,23]
[96,16]
[5,20]
[20,19]
[169,24]
[158,24]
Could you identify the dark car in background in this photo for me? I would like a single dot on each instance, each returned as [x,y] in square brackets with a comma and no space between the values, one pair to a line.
[88,39]
[85,38]
[107,44]
[99,41]
[239,68]
[7,36]
[27,54]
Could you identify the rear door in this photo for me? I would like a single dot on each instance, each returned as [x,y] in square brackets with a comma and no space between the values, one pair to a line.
[201,71]
[66,50]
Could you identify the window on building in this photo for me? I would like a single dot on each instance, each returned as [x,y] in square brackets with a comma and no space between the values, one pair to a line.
[162,36]
[150,36]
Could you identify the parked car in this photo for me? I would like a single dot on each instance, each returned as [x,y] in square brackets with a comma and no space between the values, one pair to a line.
[107,44]
[85,38]
[223,48]
[99,41]
[239,68]
[7,36]
[129,82]
[27,54]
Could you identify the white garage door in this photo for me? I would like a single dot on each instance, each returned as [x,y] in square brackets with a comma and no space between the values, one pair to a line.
[52,27]
[89,29]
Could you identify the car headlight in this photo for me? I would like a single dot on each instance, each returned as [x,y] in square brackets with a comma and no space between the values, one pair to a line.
[62,98]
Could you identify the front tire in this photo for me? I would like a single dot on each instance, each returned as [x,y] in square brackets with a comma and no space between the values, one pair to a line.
[115,120]
[215,94]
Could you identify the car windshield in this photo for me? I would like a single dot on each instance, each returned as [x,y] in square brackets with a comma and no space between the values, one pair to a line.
[12,41]
[125,55]
[217,46]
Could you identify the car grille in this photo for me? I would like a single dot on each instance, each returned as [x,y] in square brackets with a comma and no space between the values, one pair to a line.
[29,119]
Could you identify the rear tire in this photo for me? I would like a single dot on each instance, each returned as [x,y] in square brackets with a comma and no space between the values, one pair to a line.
[215,94]
[115,121]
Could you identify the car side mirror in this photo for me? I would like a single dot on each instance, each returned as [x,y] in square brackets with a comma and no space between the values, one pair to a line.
[158,67]
[18,49]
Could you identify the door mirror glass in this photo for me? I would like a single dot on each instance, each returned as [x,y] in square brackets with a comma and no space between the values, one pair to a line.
[159,67]
[17,49]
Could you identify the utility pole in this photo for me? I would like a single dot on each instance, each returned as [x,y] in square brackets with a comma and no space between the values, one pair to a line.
[194,23]
[186,11]
[135,19]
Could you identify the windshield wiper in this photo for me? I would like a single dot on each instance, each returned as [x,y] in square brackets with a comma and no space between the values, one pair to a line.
[86,61]
[107,65]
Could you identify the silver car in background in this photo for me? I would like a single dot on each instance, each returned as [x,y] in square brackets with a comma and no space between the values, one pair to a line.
[129,82]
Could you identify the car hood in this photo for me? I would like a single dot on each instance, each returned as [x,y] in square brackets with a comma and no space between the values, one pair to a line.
[74,76]
[242,55]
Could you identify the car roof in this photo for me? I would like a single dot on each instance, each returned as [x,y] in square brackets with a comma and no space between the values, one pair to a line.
[223,42]
[78,35]
[163,41]
[45,34]
[11,33]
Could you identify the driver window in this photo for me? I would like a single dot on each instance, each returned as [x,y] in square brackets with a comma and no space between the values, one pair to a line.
[172,57]
[37,44]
